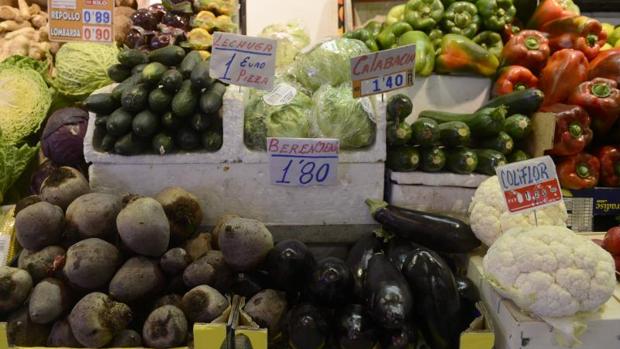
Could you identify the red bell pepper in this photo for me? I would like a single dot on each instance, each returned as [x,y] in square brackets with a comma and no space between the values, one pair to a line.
[549,10]
[580,33]
[529,48]
[579,171]
[572,129]
[565,70]
[610,165]
[606,65]
[600,97]
[514,78]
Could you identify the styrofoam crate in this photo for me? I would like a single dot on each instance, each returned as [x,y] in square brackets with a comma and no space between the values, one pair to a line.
[236,180]
[516,330]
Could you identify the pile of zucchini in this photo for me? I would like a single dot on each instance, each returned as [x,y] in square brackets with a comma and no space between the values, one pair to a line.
[165,101]
[461,143]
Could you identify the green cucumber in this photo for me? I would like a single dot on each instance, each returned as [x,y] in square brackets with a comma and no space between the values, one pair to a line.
[159,100]
[518,126]
[138,68]
[101,121]
[129,144]
[503,143]
[525,102]
[187,139]
[119,122]
[145,124]
[153,72]
[399,107]
[210,100]
[518,155]
[118,72]
[135,98]
[425,132]
[433,159]
[488,160]
[200,122]
[485,122]
[403,159]
[169,55]
[170,121]
[189,63]
[162,143]
[132,57]
[454,133]
[172,80]
[211,140]
[200,75]
[185,101]
[133,80]
[398,134]
[107,143]
[462,160]
[101,103]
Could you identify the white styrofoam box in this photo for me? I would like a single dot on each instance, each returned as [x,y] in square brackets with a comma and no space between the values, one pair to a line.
[438,179]
[459,94]
[516,330]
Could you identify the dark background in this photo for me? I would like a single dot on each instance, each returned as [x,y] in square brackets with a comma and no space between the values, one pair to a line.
[598,5]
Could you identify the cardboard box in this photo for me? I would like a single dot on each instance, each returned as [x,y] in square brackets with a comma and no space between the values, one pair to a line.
[480,334]
[585,208]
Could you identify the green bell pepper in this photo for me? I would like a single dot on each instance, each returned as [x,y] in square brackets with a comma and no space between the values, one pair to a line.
[424,51]
[496,13]
[447,3]
[461,18]
[386,38]
[436,35]
[396,14]
[372,45]
[423,14]
[400,28]
[492,41]
[374,27]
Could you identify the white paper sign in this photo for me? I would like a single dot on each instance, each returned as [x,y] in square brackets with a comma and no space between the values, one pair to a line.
[303,162]
[529,184]
[383,71]
[243,60]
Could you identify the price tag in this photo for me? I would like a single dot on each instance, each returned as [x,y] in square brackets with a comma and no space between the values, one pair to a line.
[81,20]
[303,162]
[383,71]
[243,60]
[529,184]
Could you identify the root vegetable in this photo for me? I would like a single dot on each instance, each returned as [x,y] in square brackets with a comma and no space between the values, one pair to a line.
[266,309]
[245,243]
[169,299]
[18,30]
[25,202]
[175,261]
[38,51]
[126,339]
[137,278]
[24,10]
[39,225]
[143,227]
[8,13]
[21,331]
[96,319]
[62,336]
[35,9]
[43,263]
[204,303]
[219,227]
[209,269]
[183,211]
[64,185]
[15,286]
[91,263]
[93,215]
[50,298]
[123,11]
[166,327]
[122,26]
[199,246]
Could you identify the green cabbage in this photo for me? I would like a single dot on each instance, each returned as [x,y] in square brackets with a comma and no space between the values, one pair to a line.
[13,161]
[82,67]
[264,119]
[24,102]
[291,39]
[336,114]
[327,63]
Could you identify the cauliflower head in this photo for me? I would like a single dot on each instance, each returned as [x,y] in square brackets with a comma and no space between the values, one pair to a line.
[489,217]
[550,271]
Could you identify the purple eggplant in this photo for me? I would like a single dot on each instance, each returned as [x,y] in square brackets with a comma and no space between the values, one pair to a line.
[249,284]
[307,327]
[331,282]
[397,251]
[358,258]
[405,337]
[290,264]
[158,11]
[176,20]
[135,38]
[161,40]
[354,330]
[145,19]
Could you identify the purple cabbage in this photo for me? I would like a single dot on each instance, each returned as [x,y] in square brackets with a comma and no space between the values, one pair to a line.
[44,170]
[63,137]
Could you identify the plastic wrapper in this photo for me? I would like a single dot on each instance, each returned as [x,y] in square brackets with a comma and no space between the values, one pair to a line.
[329,63]
[291,40]
[336,114]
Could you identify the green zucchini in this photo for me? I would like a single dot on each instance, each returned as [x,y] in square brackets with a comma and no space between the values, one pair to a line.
[525,102]
[153,72]
[211,140]
[503,143]
[135,98]
[133,80]
[101,103]
[488,160]
[168,55]
[172,80]
[398,134]
[518,155]
[399,107]
[403,159]
[433,159]
[189,63]
[118,72]
[462,160]
[132,57]
[518,126]
[425,132]
[162,143]
[454,133]
[185,101]
[485,122]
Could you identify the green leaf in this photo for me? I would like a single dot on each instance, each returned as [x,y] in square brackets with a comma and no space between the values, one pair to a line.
[13,161]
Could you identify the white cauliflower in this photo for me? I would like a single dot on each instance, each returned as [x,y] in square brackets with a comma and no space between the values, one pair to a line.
[489,217]
[550,271]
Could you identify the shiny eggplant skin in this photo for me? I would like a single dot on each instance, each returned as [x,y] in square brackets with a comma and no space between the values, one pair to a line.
[331,282]
[403,338]
[388,297]
[437,232]
[289,264]
[358,258]
[307,327]
[437,299]
[354,330]
[469,297]
[249,284]
[397,251]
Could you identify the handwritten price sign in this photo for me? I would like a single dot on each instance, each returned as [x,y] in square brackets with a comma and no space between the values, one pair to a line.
[529,184]
[303,162]
[243,60]
[383,71]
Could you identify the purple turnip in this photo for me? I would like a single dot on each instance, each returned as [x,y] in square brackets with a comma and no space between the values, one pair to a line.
[93,215]
[166,327]
[91,263]
[39,225]
[15,286]
[143,227]
[183,211]
[137,278]
[64,185]
[96,319]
